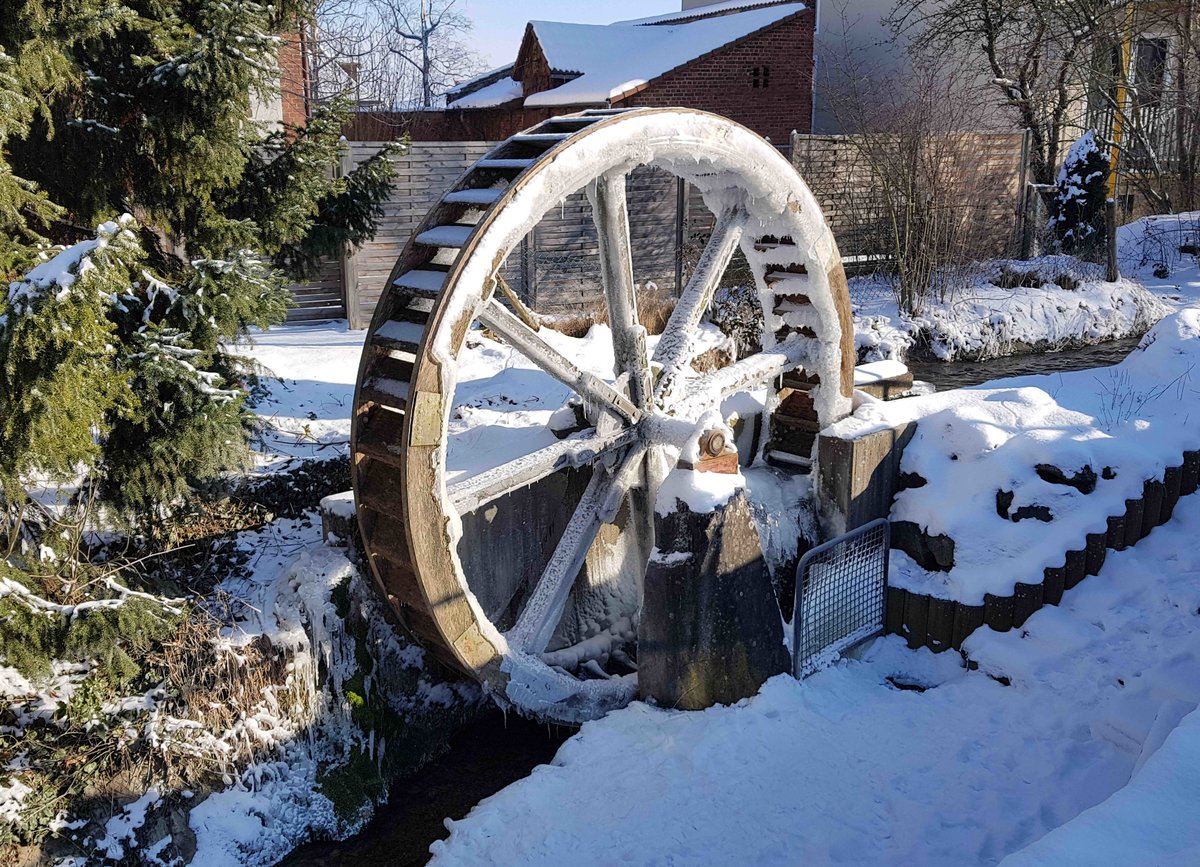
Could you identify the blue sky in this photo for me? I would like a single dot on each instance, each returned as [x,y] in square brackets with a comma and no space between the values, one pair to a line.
[499,24]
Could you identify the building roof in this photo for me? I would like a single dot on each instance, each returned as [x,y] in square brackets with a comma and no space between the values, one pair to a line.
[610,60]
[708,11]
[479,81]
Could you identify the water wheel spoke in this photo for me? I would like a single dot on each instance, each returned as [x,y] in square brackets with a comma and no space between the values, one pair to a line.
[535,627]
[610,212]
[676,347]
[539,619]
[482,488]
[534,347]
[708,390]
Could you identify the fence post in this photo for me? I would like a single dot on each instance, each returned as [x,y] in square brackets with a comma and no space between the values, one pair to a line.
[1024,240]
[1112,273]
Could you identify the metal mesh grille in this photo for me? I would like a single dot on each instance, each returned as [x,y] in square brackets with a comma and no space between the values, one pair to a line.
[840,592]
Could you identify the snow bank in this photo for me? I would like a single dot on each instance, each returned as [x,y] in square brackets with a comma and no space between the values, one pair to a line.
[848,768]
[1118,426]
[1154,820]
[985,320]
[1149,250]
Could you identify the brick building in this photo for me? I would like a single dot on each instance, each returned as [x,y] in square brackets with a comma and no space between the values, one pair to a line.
[291,103]
[750,60]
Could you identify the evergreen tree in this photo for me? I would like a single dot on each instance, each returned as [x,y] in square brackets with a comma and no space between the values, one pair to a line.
[134,115]
[1077,218]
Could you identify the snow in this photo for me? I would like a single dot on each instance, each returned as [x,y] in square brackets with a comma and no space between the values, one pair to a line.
[12,794]
[445,236]
[119,830]
[248,825]
[1152,244]
[982,320]
[496,93]
[700,492]
[877,371]
[706,9]
[613,59]
[306,413]
[844,768]
[1134,419]
[341,505]
[463,85]
[1153,820]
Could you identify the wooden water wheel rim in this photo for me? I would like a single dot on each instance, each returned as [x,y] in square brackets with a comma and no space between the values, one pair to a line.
[445,280]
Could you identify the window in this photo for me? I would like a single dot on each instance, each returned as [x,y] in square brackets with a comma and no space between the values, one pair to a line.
[760,76]
[1150,71]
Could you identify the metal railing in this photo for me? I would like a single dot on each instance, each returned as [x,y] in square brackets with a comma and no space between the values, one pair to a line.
[841,591]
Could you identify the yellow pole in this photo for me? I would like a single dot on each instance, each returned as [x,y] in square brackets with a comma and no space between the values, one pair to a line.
[1121,96]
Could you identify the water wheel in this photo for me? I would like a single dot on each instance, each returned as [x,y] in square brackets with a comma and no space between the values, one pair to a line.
[553,636]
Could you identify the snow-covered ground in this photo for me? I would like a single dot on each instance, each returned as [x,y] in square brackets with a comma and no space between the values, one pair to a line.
[1116,426]
[846,768]
[986,316]
[501,406]
[1151,245]
[305,412]
[1070,304]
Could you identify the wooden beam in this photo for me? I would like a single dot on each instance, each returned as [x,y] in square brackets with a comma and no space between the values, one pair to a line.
[676,345]
[489,485]
[538,620]
[497,317]
[610,212]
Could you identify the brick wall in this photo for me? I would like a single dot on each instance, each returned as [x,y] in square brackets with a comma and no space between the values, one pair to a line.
[532,68]
[293,81]
[723,81]
[450,125]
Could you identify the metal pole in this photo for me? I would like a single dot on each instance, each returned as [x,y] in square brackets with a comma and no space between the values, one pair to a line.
[1110,226]
[680,220]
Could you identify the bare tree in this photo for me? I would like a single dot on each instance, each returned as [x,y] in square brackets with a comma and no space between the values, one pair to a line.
[393,54]
[915,184]
[1038,54]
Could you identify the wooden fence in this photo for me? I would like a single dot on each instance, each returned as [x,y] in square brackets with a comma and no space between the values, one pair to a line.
[556,268]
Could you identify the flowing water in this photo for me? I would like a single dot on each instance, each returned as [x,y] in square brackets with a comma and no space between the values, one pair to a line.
[483,758]
[960,374]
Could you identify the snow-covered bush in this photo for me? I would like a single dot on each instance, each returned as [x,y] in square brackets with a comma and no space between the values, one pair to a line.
[1077,210]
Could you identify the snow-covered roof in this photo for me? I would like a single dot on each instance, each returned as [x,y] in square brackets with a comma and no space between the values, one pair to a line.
[704,11]
[488,77]
[612,59]
[496,93]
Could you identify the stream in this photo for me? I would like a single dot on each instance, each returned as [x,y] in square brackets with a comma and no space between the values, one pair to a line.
[961,374]
[496,751]
[483,758]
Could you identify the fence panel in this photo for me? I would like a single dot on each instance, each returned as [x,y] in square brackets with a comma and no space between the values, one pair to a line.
[555,268]
[841,592]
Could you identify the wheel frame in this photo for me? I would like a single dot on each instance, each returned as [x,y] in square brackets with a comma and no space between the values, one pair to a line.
[413,558]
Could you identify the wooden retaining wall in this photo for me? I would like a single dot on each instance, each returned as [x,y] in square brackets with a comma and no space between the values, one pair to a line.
[941,624]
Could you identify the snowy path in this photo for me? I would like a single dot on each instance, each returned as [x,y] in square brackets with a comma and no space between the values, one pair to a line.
[846,769]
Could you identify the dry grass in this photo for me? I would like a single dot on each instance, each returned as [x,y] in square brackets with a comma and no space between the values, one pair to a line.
[654,311]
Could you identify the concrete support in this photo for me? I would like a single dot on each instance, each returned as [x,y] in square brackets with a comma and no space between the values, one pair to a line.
[710,631]
[857,479]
